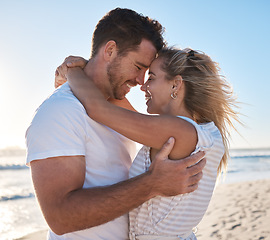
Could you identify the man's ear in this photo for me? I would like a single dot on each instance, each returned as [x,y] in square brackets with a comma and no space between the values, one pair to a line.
[110,51]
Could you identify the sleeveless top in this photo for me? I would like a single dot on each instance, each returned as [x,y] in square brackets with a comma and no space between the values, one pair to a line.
[177,216]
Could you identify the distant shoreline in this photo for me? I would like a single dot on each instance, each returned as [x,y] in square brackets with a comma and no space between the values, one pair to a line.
[12,151]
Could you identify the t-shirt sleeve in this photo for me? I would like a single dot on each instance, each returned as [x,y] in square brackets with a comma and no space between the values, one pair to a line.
[57,129]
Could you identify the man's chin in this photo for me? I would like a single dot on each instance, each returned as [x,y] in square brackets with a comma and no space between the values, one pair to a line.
[120,96]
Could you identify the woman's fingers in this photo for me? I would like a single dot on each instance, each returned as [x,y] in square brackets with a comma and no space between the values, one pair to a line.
[74,61]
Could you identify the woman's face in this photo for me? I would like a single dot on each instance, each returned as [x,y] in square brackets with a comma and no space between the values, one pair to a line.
[157,89]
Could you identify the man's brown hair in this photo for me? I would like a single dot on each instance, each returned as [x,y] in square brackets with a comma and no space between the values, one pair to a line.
[127,28]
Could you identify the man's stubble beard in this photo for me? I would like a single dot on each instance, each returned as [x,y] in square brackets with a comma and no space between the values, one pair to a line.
[115,79]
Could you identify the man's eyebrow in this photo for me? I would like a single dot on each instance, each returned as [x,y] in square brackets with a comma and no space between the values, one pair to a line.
[151,73]
[141,64]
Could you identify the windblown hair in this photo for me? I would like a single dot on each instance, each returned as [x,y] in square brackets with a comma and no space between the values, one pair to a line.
[127,28]
[208,96]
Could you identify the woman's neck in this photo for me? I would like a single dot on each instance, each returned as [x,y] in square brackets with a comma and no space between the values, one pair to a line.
[176,109]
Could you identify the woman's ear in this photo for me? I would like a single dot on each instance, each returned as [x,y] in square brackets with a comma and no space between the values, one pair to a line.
[110,51]
[177,83]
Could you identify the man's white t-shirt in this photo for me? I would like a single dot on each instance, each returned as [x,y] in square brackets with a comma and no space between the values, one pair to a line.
[61,127]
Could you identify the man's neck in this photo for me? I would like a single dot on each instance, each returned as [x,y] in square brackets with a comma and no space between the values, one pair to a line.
[96,70]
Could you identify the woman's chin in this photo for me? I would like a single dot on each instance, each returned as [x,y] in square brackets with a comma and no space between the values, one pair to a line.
[151,108]
[148,110]
[151,111]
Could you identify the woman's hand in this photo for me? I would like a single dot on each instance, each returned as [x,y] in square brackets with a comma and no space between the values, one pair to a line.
[59,79]
[61,71]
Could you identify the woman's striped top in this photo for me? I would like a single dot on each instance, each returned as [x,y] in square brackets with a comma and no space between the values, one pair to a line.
[177,216]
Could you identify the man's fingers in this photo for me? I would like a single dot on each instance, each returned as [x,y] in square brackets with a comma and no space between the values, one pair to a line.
[166,149]
[193,159]
[194,179]
[197,168]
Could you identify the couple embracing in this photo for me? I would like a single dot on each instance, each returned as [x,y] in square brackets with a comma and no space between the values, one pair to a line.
[81,141]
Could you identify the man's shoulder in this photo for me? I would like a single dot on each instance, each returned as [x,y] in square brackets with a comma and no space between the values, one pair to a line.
[60,109]
[61,100]
[58,127]
[62,95]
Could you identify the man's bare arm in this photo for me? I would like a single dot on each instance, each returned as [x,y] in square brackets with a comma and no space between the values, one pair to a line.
[68,207]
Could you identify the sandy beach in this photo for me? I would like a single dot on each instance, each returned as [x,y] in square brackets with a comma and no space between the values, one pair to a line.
[237,211]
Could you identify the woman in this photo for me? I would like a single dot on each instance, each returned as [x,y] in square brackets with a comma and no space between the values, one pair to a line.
[194,105]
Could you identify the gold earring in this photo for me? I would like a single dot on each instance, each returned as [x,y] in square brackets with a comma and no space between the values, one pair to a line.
[174,95]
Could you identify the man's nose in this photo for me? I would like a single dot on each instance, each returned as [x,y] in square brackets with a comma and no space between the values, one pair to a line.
[143,87]
[140,78]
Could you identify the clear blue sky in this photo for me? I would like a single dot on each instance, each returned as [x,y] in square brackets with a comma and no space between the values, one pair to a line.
[37,35]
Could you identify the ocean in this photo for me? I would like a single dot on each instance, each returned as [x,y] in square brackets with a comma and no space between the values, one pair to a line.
[19,211]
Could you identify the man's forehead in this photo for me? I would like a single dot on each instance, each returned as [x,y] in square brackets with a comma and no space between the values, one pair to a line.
[144,57]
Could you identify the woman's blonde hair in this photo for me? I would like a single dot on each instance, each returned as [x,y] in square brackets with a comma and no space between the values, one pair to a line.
[208,96]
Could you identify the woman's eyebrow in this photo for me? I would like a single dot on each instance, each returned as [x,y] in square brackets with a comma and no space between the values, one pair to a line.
[151,73]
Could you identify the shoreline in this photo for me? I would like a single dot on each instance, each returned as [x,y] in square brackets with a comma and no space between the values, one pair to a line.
[237,211]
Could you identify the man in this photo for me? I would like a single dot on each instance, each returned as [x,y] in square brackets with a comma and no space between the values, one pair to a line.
[80,167]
